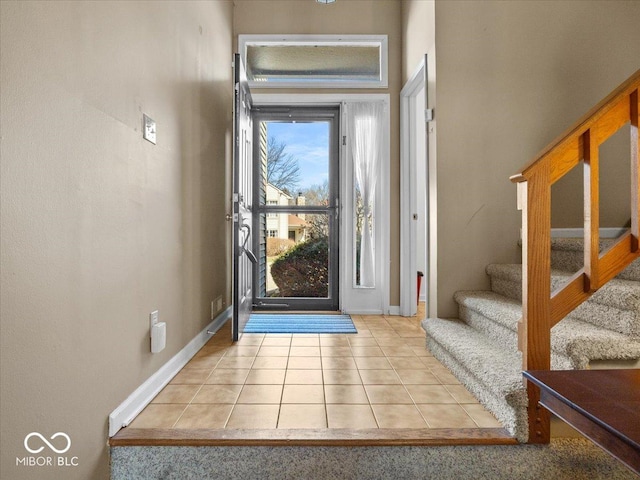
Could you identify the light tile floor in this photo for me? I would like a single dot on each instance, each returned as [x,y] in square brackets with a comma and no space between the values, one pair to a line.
[381,377]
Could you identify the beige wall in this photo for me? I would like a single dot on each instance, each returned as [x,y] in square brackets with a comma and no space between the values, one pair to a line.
[100,227]
[343,17]
[511,77]
[418,33]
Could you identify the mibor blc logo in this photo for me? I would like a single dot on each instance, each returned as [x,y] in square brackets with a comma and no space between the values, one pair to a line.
[41,450]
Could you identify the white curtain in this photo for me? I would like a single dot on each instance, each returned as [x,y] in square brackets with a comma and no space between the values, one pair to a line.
[366,135]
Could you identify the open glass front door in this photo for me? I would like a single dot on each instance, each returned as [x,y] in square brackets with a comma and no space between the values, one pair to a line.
[243,257]
[296,202]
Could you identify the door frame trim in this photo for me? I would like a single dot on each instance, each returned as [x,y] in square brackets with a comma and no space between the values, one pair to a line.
[346,287]
[408,201]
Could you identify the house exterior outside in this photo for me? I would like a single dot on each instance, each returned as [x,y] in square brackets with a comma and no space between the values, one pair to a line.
[284,226]
[100,227]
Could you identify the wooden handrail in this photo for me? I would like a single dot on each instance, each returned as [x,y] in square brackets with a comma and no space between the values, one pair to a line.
[581,125]
[541,308]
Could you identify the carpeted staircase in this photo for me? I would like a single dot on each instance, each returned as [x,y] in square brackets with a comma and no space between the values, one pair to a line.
[480,347]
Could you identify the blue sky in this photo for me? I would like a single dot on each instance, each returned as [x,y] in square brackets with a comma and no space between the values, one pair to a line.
[309,143]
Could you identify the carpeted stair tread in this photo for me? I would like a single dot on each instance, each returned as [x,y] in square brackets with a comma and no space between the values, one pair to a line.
[505,311]
[488,371]
[567,254]
[626,322]
[573,341]
[481,348]
[583,342]
[477,352]
[616,306]
[506,279]
[621,294]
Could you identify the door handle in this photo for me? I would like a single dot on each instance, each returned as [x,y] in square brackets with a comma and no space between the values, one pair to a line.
[252,258]
[246,227]
[250,255]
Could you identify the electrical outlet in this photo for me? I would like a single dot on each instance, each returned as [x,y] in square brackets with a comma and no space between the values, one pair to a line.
[218,304]
[153,319]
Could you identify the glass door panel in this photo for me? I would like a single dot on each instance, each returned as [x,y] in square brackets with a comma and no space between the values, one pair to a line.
[296,263]
[296,196]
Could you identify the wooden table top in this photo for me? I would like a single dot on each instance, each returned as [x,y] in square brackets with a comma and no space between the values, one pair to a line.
[610,398]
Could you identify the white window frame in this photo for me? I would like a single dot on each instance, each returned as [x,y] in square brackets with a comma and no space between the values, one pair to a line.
[346,40]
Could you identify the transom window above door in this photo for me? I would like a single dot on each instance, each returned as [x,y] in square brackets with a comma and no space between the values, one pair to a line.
[315,61]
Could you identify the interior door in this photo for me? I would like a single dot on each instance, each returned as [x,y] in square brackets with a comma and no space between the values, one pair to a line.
[243,258]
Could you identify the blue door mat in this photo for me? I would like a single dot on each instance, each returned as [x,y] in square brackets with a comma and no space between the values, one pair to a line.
[299,323]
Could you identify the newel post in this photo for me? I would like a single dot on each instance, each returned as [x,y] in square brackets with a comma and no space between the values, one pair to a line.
[534,198]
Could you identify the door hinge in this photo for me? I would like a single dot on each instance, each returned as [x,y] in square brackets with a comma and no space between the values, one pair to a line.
[344,140]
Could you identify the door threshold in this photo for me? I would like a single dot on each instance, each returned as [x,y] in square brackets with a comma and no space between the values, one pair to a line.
[311,437]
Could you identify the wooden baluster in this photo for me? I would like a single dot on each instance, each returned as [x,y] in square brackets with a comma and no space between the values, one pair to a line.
[589,150]
[635,172]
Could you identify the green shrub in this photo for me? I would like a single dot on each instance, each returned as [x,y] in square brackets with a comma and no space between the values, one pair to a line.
[303,271]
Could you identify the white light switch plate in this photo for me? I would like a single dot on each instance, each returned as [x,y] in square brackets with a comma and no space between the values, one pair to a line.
[153,319]
[149,130]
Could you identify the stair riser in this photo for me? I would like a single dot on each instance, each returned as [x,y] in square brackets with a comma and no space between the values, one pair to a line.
[573,260]
[626,322]
[507,288]
[496,332]
[512,288]
[513,417]
[508,338]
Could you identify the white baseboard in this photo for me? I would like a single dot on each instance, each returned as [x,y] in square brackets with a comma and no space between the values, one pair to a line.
[394,310]
[124,414]
[579,232]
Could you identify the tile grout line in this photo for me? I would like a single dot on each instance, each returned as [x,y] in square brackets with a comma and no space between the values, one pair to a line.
[403,383]
[385,325]
[324,390]
[196,394]
[244,383]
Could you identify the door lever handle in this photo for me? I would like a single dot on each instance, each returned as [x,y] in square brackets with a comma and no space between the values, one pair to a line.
[246,227]
[250,255]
